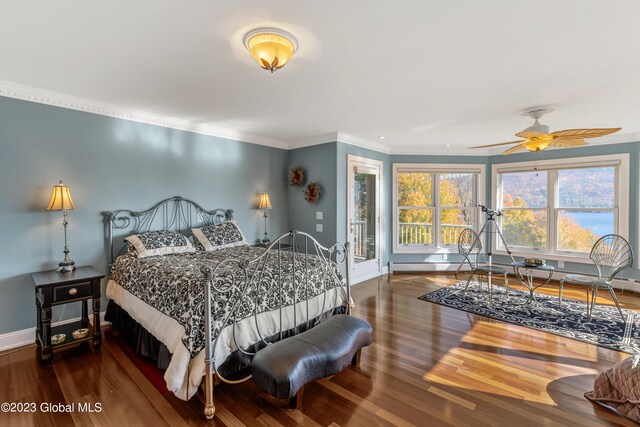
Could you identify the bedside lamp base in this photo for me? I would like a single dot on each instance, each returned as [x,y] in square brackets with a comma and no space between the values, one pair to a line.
[66,266]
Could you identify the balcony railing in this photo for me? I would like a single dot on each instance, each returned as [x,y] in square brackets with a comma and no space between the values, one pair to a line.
[359,239]
[422,234]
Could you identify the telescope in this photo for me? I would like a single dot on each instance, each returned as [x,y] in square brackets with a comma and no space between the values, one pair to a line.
[490,212]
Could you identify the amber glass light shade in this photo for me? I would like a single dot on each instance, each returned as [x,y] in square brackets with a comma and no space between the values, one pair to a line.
[270,47]
[538,143]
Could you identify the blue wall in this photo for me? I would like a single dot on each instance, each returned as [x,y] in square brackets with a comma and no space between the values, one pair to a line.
[111,164]
[319,164]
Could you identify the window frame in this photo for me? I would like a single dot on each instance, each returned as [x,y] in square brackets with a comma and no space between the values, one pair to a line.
[620,162]
[433,168]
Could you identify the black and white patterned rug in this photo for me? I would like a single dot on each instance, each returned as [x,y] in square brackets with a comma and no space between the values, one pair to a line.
[605,329]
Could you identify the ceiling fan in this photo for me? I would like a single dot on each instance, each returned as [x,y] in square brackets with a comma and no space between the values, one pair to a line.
[537,138]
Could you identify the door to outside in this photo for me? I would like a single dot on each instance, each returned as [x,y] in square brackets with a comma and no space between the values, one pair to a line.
[363,225]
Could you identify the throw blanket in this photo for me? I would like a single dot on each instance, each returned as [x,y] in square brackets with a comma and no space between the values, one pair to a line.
[618,388]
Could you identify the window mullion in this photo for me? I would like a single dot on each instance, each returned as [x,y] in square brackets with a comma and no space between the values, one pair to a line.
[552,210]
[436,204]
[616,200]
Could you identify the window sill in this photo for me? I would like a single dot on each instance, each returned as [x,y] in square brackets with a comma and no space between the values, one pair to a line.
[428,250]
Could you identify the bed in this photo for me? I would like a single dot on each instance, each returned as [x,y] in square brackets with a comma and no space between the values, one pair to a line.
[213,307]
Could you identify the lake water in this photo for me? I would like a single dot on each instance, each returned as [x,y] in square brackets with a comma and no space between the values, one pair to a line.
[600,223]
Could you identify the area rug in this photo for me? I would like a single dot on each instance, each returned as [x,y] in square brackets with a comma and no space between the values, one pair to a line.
[606,328]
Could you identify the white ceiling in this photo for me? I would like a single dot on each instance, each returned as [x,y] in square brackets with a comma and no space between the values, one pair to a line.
[422,73]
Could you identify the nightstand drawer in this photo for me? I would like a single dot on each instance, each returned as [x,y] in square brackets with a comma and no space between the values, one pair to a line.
[69,292]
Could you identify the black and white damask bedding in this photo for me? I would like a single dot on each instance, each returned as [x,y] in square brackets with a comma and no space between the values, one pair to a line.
[165,294]
[218,236]
[159,243]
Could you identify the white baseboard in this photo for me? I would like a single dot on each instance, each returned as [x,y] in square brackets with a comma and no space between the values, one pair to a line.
[28,336]
[621,284]
[431,267]
[355,281]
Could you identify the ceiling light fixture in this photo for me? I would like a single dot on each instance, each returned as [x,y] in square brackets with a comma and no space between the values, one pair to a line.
[447,145]
[270,47]
[382,137]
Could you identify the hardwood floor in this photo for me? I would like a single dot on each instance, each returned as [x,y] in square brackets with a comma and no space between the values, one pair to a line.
[428,365]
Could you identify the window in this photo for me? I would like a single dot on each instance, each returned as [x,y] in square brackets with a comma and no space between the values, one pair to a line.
[525,208]
[434,203]
[563,206]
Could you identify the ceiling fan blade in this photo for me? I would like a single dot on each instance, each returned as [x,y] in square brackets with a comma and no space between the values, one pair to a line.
[528,134]
[583,133]
[515,149]
[566,143]
[501,143]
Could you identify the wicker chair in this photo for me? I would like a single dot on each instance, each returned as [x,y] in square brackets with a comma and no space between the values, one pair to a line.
[611,254]
[470,247]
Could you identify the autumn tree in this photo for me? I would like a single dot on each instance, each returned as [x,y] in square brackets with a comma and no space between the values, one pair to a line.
[416,202]
[527,227]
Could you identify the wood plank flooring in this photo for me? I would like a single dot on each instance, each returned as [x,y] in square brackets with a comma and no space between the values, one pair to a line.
[428,365]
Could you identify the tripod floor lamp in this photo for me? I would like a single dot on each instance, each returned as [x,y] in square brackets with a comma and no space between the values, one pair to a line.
[61,201]
[265,203]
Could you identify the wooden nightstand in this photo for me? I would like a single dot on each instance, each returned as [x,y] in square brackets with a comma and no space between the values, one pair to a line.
[54,288]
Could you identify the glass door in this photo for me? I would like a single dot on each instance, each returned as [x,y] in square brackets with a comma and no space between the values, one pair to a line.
[364,217]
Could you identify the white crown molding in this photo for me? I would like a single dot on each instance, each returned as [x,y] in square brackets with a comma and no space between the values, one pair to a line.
[443,151]
[41,96]
[341,137]
[363,143]
[314,140]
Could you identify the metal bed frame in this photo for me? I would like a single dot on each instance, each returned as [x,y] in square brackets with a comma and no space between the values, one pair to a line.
[291,251]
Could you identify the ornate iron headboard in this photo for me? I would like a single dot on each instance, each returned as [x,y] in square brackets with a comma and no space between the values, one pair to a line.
[175,214]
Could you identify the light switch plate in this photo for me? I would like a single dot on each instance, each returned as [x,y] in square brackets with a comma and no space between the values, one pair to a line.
[319,228]
[319,215]
[560,264]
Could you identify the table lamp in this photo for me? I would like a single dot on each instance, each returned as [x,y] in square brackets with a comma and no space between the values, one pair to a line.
[61,201]
[265,203]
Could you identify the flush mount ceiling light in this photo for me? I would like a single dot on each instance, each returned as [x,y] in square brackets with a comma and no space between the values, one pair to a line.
[270,47]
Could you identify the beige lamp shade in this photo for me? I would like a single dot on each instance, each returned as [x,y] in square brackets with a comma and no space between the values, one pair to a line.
[270,47]
[61,199]
[265,202]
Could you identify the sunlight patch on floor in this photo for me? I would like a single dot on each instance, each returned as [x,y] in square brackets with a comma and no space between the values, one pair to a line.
[521,371]
[524,339]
